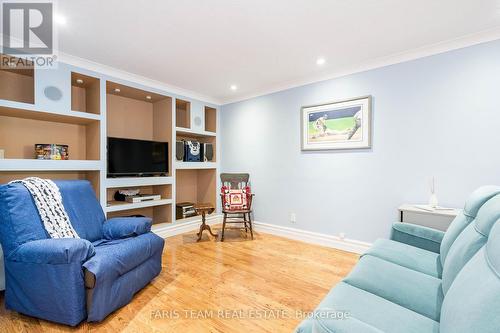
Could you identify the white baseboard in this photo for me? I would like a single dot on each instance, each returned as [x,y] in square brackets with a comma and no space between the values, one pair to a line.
[349,245]
[345,244]
[166,231]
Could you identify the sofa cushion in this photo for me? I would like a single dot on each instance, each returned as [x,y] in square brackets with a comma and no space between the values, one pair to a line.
[472,303]
[413,290]
[470,240]
[83,208]
[374,311]
[114,258]
[408,256]
[472,205]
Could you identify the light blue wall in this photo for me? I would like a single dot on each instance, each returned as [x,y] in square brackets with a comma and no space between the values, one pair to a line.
[436,116]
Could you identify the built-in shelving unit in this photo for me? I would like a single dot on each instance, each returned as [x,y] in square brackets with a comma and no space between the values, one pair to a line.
[90,107]
[196,181]
[134,113]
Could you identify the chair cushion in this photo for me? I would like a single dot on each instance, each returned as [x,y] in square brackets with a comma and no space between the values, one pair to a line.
[408,256]
[84,210]
[114,258]
[413,290]
[235,199]
[374,311]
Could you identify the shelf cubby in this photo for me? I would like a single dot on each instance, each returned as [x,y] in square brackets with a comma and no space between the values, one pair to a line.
[85,93]
[182,113]
[92,176]
[18,136]
[196,186]
[210,119]
[137,114]
[17,82]
[160,214]
[165,191]
[200,138]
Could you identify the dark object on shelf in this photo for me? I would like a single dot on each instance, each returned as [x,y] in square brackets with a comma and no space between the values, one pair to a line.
[136,215]
[192,151]
[44,151]
[121,195]
[179,150]
[208,152]
[128,157]
[237,181]
[184,209]
[204,209]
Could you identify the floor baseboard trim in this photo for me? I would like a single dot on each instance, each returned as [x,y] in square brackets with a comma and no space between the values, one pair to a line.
[349,245]
[184,227]
[345,244]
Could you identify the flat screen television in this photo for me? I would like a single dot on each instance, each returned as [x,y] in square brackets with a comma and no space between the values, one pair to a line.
[128,157]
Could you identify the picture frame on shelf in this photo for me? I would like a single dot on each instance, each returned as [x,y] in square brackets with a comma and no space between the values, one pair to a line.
[342,124]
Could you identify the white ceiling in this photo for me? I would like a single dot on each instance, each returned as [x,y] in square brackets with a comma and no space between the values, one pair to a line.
[262,45]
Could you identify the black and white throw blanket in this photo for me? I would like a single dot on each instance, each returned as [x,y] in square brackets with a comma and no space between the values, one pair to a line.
[49,203]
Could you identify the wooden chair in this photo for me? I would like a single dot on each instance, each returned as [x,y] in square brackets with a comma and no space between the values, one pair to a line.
[236,181]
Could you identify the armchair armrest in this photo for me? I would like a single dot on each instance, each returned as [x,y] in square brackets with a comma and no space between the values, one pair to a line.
[419,236]
[53,251]
[124,227]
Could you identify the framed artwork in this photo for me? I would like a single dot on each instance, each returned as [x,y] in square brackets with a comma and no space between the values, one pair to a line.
[338,125]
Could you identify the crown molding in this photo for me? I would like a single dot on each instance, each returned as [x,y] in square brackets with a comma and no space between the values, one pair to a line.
[421,52]
[127,76]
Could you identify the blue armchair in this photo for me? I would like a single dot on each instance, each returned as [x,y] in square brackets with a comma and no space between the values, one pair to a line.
[69,280]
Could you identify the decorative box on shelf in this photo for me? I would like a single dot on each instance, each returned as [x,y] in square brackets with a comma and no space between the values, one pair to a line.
[425,215]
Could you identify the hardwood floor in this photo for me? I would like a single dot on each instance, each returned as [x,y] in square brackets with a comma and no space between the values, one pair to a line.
[235,286]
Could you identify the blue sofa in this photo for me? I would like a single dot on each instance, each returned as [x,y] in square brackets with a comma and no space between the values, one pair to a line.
[70,280]
[423,280]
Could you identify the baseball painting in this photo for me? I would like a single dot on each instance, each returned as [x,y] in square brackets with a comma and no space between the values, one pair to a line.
[338,125]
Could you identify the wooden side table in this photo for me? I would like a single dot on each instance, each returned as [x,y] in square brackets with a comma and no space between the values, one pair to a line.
[203,209]
[426,216]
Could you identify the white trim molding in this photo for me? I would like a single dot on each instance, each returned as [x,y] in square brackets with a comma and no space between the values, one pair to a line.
[349,245]
[345,244]
[444,46]
[173,229]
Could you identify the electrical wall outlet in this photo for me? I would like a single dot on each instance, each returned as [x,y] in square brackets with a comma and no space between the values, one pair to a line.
[293,218]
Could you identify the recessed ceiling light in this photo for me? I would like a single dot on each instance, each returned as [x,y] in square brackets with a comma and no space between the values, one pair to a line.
[233,87]
[79,81]
[117,90]
[148,97]
[59,19]
[320,61]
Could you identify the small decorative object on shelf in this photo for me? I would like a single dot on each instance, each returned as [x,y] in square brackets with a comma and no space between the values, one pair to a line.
[2,154]
[433,200]
[51,152]
[121,195]
[193,151]
[184,210]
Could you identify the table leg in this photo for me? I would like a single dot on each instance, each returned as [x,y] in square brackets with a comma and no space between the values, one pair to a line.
[204,226]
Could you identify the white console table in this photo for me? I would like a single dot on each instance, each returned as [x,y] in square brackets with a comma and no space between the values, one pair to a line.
[439,218]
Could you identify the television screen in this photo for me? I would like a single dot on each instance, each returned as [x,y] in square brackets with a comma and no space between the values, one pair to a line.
[128,157]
